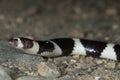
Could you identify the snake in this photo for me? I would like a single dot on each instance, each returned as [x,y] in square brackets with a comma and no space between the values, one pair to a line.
[58,47]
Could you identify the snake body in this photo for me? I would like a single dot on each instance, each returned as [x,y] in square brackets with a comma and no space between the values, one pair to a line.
[67,46]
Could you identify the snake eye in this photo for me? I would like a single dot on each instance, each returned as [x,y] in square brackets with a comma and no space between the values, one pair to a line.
[23,41]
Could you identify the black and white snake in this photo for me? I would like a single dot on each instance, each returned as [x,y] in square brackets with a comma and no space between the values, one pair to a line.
[67,46]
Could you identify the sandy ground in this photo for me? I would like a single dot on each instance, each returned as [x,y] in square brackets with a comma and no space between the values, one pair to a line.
[44,19]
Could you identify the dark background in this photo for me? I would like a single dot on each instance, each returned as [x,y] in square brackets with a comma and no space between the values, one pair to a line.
[43,19]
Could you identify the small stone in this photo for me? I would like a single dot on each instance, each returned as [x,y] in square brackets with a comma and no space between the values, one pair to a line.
[48,70]
[111,11]
[22,69]
[65,65]
[19,19]
[76,33]
[99,62]
[77,65]
[30,78]
[117,65]
[31,73]
[69,78]
[107,38]
[97,78]
[2,17]
[110,65]
[59,60]
[89,70]
[4,75]
[73,61]
[77,10]
[115,26]
[76,56]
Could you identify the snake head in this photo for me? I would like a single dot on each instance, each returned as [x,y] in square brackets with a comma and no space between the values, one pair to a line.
[21,43]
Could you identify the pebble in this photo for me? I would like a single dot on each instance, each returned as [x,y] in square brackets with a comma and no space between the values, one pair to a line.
[65,64]
[23,69]
[110,65]
[42,78]
[115,26]
[117,65]
[99,78]
[99,61]
[77,9]
[76,56]
[77,65]
[4,74]
[19,20]
[59,60]
[89,70]
[72,61]
[48,70]
[67,78]
[111,11]
[30,78]
[76,33]
[2,17]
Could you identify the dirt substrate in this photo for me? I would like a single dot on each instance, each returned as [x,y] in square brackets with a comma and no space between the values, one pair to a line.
[45,19]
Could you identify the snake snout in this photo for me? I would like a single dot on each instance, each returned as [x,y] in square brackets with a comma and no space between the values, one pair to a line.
[13,42]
